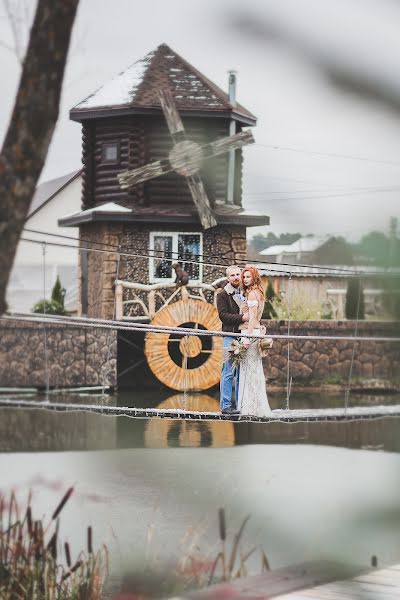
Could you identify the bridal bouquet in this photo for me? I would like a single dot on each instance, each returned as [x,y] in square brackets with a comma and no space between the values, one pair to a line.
[236,352]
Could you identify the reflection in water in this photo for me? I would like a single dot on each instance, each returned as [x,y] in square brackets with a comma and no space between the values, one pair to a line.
[23,430]
[26,430]
[164,433]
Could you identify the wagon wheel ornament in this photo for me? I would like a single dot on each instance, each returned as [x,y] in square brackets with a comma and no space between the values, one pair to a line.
[185,158]
[166,433]
[180,361]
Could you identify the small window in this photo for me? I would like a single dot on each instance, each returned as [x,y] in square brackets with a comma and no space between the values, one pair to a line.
[110,152]
[174,246]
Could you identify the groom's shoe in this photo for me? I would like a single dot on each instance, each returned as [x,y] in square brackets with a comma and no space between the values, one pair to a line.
[230,411]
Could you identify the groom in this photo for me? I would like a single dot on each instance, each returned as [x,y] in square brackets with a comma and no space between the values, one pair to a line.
[228,304]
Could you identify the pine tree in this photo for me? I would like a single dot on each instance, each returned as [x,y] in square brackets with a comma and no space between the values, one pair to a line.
[355,299]
[269,311]
[55,306]
[58,293]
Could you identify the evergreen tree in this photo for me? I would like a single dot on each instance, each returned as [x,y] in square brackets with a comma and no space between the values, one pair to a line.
[355,307]
[58,293]
[269,311]
[56,305]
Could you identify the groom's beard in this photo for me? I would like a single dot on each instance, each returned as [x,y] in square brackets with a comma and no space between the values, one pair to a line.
[235,284]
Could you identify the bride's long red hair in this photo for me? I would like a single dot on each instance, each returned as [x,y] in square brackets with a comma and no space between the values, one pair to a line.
[256,279]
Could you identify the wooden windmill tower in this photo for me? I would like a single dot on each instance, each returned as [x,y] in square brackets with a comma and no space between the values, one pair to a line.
[124,129]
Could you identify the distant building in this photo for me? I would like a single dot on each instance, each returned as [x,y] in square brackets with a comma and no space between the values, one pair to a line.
[320,268]
[303,250]
[326,285]
[52,199]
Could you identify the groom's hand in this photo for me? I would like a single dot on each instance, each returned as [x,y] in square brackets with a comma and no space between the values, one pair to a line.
[245,318]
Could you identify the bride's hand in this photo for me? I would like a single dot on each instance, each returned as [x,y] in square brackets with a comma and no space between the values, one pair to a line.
[246,342]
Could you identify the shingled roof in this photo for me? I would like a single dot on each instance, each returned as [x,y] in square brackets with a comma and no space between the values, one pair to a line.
[136,90]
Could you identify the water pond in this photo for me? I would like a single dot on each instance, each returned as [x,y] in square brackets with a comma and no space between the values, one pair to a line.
[151,488]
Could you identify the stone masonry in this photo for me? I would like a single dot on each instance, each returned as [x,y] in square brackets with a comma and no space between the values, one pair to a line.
[81,356]
[224,245]
[313,360]
[76,356]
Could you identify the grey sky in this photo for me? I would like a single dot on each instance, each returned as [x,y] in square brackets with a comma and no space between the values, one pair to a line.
[296,105]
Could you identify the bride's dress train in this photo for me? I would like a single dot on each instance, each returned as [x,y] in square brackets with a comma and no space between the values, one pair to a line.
[253,398]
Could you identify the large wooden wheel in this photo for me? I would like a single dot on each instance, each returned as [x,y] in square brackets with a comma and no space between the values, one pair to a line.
[185,362]
[164,433]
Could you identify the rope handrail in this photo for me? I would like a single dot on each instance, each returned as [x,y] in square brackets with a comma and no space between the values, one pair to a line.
[369,413]
[128,326]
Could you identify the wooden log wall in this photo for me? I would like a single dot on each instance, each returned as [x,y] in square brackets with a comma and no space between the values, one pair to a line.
[172,188]
[106,183]
[88,138]
[143,139]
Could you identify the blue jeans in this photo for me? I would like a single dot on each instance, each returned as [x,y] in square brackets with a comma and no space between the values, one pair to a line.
[227,376]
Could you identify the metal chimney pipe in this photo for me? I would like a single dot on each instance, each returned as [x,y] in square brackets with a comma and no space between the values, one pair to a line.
[232,130]
[232,87]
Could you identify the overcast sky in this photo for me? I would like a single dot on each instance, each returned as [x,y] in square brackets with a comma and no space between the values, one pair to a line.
[296,105]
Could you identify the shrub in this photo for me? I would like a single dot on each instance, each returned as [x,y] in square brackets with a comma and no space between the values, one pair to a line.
[48,308]
[269,311]
[56,305]
[301,308]
[355,308]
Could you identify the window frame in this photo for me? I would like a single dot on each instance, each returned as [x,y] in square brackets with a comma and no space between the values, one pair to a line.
[175,236]
[107,161]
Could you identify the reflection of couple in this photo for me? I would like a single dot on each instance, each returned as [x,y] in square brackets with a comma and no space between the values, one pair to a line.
[240,305]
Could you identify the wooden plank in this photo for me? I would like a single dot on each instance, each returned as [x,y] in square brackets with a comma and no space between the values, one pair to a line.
[155,169]
[382,584]
[278,582]
[201,201]
[171,114]
[232,142]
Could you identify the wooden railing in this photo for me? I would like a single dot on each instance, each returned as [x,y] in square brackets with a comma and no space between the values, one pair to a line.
[146,297]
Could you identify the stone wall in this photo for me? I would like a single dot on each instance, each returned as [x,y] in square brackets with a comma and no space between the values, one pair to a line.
[224,245]
[76,356]
[312,360]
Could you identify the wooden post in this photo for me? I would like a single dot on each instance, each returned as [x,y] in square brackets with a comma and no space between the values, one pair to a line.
[84,279]
[119,307]
[152,303]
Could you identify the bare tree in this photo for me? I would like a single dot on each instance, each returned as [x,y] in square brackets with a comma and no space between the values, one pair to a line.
[32,123]
[19,15]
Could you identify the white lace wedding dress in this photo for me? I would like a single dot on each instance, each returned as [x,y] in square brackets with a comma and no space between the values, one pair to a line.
[253,398]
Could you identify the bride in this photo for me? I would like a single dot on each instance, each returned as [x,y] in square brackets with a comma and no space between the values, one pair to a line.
[252,389]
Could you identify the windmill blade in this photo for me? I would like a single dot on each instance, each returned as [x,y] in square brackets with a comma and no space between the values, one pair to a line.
[201,201]
[233,142]
[172,116]
[154,169]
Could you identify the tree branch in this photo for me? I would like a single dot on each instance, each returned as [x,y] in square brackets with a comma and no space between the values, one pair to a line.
[32,123]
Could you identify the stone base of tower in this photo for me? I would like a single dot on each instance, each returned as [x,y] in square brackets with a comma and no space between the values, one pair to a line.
[221,246]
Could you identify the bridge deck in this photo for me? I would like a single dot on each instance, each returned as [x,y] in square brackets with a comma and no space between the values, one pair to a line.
[352,413]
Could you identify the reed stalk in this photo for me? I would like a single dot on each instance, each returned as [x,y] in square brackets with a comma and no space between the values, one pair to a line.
[29,558]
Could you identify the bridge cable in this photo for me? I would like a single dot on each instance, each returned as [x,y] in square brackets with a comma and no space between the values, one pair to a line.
[46,362]
[321,268]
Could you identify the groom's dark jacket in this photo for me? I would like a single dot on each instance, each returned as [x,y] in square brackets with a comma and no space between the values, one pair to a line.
[228,309]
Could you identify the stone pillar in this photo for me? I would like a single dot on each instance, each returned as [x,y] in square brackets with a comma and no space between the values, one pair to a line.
[101,268]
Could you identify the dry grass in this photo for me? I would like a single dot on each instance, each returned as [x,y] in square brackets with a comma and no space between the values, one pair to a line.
[31,566]
[229,561]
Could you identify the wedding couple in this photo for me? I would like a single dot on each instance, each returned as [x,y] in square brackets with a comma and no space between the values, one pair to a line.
[240,305]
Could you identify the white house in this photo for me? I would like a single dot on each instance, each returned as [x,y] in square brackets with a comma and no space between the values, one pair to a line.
[52,200]
[301,250]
